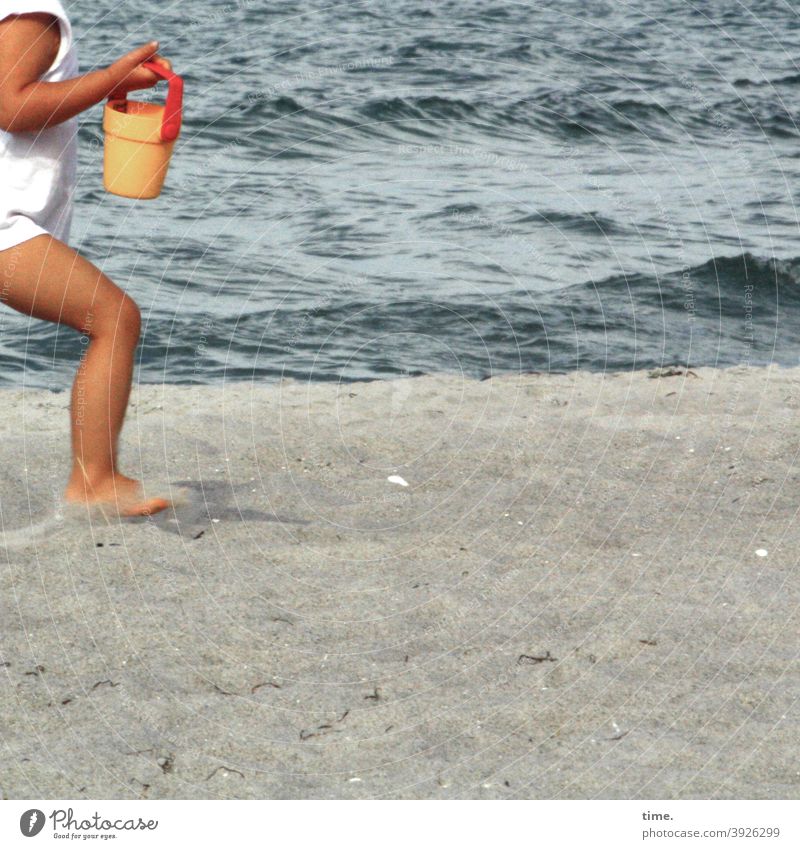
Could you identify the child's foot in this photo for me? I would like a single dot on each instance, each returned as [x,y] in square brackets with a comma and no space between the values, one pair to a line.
[121,494]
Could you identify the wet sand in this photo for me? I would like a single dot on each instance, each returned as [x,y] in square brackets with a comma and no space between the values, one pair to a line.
[588,589]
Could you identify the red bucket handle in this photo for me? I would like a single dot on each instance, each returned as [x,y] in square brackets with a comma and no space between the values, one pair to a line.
[173,108]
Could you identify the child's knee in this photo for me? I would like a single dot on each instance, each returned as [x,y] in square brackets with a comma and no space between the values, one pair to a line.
[120,319]
[130,317]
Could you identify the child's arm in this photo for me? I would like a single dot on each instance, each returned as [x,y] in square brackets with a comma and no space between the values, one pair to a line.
[26,53]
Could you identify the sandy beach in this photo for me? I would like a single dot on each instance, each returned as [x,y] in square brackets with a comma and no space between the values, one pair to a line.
[587,589]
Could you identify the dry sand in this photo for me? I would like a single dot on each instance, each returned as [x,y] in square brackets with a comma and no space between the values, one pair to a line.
[566,601]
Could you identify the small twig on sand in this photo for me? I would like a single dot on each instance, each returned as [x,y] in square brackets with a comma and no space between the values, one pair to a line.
[105,681]
[265,684]
[325,728]
[534,658]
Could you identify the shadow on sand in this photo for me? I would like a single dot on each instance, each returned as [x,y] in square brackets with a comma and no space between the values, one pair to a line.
[209,500]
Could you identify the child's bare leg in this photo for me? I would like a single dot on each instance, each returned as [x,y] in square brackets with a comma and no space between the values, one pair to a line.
[44,278]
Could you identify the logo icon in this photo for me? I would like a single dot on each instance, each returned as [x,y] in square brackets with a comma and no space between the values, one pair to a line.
[31,822]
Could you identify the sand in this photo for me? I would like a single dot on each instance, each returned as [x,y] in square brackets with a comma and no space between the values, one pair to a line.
[586,590]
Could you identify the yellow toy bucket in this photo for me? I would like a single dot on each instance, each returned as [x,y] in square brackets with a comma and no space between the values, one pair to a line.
[139,138]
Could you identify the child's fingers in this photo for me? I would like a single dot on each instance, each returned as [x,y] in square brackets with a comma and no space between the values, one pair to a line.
[128,73]
[160,60]
[139,55]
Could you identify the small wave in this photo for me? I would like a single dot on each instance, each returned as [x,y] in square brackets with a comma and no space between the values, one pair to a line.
[430,44]
[589,223]
[261,103]
[745,82]
[419,108]
[718,284]
[746,269]
[453,209]
[766,114]
[583,114]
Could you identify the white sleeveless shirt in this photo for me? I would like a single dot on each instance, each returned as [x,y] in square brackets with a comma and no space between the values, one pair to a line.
[37,169]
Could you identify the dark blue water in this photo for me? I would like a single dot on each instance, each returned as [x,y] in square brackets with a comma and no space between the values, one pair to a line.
[381,188]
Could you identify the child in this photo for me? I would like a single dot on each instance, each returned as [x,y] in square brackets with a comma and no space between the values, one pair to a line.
[40,95]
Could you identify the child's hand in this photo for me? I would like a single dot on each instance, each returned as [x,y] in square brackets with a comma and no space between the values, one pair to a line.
[128,73]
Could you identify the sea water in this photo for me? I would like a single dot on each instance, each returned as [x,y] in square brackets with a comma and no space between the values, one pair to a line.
[371,189]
